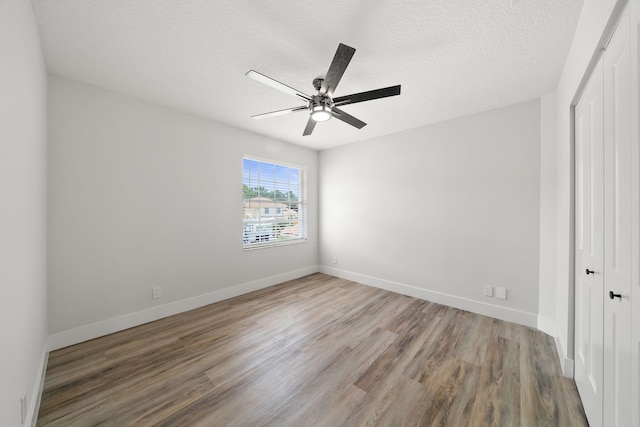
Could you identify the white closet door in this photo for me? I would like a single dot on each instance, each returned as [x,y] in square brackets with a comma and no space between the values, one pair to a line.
[589,247]
[617,228]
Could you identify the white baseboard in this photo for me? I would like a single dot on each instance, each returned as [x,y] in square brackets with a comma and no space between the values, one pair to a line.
[36,395]
[498,312]
[115,324]
[566,364]
[568,368]
[549,327]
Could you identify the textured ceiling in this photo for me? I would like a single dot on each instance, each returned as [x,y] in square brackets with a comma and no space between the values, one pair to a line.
[452,58]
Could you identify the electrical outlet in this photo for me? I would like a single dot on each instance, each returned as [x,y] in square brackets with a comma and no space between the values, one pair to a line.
[501,292]
[488,290]
[23,408]
[335,259]
[157,293]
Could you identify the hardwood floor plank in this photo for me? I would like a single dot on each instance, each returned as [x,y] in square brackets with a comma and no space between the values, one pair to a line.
[499,403]
[318,351]
[542,403]
[474,339]
[397,404]
[411,336]
[453,384]
[443,334]
[319,397]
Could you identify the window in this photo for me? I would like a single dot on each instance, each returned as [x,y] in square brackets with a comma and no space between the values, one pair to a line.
[274,203]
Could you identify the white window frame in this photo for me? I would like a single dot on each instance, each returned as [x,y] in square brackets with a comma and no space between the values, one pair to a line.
[251,226]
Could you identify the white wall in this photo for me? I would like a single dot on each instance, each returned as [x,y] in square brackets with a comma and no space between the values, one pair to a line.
[593,24]
[142,196]
[439,211]
[23,129]
[548,208]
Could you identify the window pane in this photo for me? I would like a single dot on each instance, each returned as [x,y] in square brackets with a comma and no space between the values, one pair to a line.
[273,210]
[250,172]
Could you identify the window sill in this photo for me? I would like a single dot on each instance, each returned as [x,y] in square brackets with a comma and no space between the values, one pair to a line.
[254,246]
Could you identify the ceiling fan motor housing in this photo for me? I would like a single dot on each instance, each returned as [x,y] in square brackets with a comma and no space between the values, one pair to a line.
[317,83]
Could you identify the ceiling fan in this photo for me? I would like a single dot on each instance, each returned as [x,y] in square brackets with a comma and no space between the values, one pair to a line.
[322,106]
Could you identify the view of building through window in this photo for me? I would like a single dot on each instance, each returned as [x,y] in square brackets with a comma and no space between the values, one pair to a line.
[274,205]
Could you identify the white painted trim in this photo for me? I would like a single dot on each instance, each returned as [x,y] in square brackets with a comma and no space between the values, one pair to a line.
[568,368]
[115,324]
[36,395]
[498,312]
[566,363]
[549,327]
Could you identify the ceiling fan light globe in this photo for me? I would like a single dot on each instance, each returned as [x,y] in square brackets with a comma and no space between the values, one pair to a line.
[321,113]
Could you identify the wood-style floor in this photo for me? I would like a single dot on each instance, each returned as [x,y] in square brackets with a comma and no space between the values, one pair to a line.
[317,351]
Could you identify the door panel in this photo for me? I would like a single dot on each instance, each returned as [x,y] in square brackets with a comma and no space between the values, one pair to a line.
[589,247]
[617,228]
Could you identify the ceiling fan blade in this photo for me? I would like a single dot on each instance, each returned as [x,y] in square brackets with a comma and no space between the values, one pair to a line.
[280,112]
[367,96]
[336,69]
[309,128]
[341,115]
[276,84]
